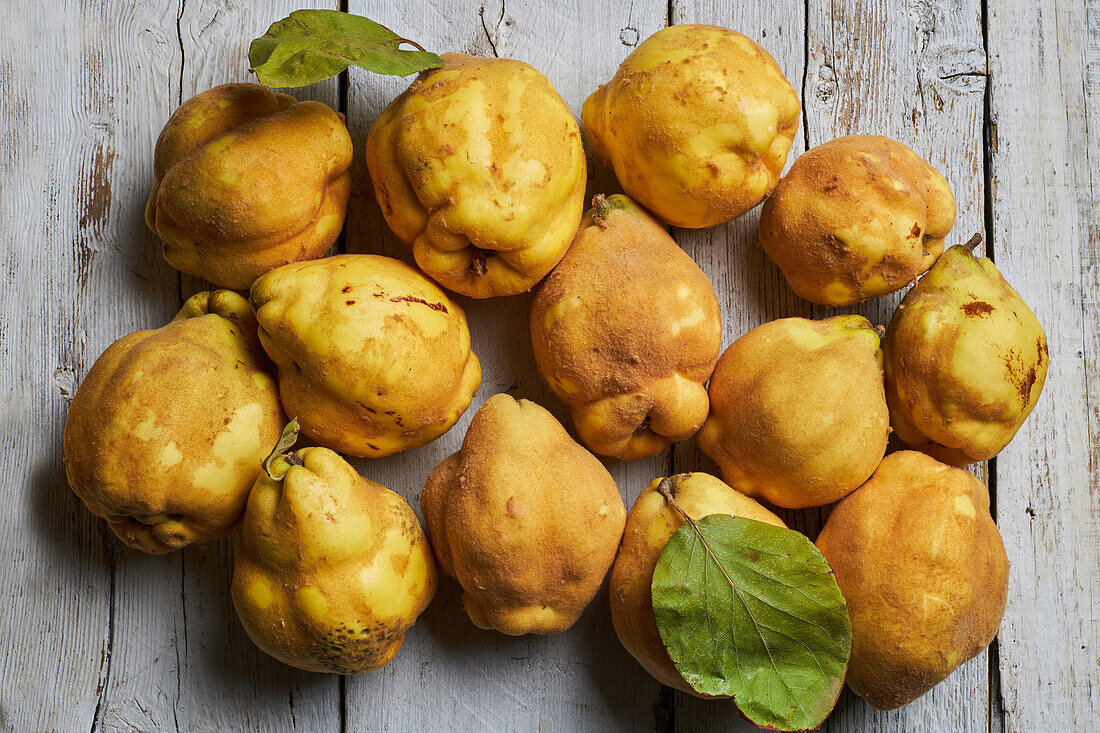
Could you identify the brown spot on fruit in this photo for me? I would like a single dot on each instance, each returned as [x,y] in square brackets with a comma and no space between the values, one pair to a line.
[413,299]
[915,231]
[345,289]
[1026,385]
[511,507]
[977,308]
[351,302]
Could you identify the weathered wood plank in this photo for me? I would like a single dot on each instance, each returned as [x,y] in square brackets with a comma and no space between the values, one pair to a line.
[1044,58]
[450,675]
[180,659]
[78,274]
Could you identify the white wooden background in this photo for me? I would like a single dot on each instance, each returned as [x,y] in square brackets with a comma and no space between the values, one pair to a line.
[997,94]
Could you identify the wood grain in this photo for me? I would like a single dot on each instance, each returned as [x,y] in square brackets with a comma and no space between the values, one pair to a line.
[1043,64]
[451,675]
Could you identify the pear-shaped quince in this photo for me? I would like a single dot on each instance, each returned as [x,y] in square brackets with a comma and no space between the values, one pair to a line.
[329,569]
[373,357]
[247,180]
[797,410]
[165,435]
[923,571]
[966,360]
[856,217]
[649,526]
[696,123]
[633,376]
[524,518]
[479,170]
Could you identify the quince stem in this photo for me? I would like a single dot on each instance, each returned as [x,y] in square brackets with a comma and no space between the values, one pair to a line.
[286,441]
[973,242]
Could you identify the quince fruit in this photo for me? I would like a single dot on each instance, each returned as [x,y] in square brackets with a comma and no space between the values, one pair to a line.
[373,357]
[634,379]
[524,518]
[247,180]
[696,123]
[329,569]
[855,218]
[478,168]
[166,433]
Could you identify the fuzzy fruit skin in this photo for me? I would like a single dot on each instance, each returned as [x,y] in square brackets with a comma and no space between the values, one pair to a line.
[524,518]
[797,410]
[373,357]
[855,218]
[696,123]
[480,162]
[247,180]
[166,433]
[649,526]
[966,361]
[329,569]
[634,378]
[924,572]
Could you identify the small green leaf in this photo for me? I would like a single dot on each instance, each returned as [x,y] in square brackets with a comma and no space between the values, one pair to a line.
[312,45]
[752,610]
[286,441]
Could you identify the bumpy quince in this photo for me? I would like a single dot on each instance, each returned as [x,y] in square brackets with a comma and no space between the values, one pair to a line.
[330,569]
[165,435]
[855,218]
[479,170]
[247,180]
[373,357]
[966,361]
[626,330]
[696,123]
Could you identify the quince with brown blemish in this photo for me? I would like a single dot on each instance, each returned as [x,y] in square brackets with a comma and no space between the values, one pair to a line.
[633,378]
[478,168]
[855,218]
[166,433]
[373,358]
[246,180]
[696,124]
[329,569]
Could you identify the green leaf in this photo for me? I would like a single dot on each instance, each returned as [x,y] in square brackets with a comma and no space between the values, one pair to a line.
[286,441]
[752,610]
[312,45]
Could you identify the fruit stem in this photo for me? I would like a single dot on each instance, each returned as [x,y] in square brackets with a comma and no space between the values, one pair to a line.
[973,242]
[665,489]
[286,441]
[477,263]
[603,208]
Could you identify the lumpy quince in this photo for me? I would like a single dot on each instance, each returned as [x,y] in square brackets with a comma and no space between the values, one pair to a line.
[696,123]
[479,170]
[165,435]
[373,357]
[524,518]
[855,218]
[246,180]
[966,361]
[329,569]
[626,330]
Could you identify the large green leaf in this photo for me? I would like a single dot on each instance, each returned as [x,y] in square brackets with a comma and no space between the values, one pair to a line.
[312,45]
[752,610]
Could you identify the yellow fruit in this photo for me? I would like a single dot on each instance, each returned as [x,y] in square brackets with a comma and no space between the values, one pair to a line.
[797,410]
[165,435]
[924,572]
[329,569]
[479,170]
[247,180]
[649,526]
[626,331]
[373,357]
[966,361]
[524,518]
[855,218]
[696,123]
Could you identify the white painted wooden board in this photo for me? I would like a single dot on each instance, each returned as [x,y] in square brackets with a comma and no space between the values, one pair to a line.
[101,637]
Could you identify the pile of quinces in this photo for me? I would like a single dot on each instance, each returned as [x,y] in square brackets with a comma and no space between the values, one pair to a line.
[478,168]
